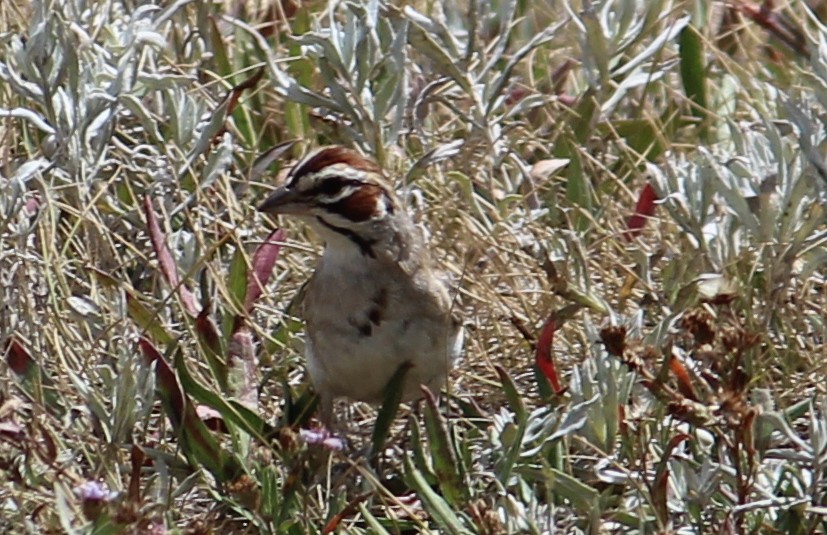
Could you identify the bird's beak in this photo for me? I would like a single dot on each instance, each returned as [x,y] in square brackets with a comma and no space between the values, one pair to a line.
[282,201]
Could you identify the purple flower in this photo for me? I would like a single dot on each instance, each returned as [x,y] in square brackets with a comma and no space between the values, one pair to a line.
[322,437]
[94,495]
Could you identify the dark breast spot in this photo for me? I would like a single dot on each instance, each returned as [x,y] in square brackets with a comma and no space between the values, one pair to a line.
[364,329]
[378,306]
[375,316]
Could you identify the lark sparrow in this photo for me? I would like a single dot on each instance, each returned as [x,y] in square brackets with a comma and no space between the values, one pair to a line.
[374,302]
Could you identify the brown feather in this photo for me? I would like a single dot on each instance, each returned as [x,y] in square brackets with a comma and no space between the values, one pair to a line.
[360,205]
[333,155]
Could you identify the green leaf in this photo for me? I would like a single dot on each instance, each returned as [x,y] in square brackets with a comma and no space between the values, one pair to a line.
[374,526]
[222,62]
[387,412]
[232,411]
[212,347]
[505,466]
[512,394]
[197,442]
[693,73]
[237,279]
[582,496]
[437,507]
[147,320]
[418,451]
[444,455]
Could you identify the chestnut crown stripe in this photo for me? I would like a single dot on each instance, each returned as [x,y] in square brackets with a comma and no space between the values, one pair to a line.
[331,156]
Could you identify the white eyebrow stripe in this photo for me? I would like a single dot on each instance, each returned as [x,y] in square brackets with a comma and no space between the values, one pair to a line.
[346,191]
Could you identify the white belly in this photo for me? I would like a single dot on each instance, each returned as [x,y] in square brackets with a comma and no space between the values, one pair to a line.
[360,367]
[354,346]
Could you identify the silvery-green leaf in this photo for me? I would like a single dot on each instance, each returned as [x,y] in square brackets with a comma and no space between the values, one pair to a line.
[502,81]
[166,14]
[28,170]
[436,29]
[29,115]
[574,418]
[155,81]
[299,94]
[654,47]
[714,285]
[633,80]
[94,133]
[340,96]
[19,84]
[148,122]
[505,16]
[82,305]
[433,156]
[220,159]
[443,61]
[266,158]
[151,37]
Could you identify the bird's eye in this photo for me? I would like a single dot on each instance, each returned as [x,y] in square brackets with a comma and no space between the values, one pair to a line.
[331,186]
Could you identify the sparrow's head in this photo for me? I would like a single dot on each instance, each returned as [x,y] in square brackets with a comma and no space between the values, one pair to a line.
[341,194]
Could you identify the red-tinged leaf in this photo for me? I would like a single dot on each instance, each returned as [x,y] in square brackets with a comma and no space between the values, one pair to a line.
[32,378]
[18,359]
[515,94]
[684,380]
[263,261]
[208,332]
[561,76]
[210,339]
[350,510]
[46,447]
[136,458]
[570,101]
[241,368]
[12,432]
[543,356]
[778,25]
[747,431]
[249,83]
[197,443]
[234,95]
[156,236]
[171,394]
[644,210]
[659,488]
[165,260]
[622,423]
